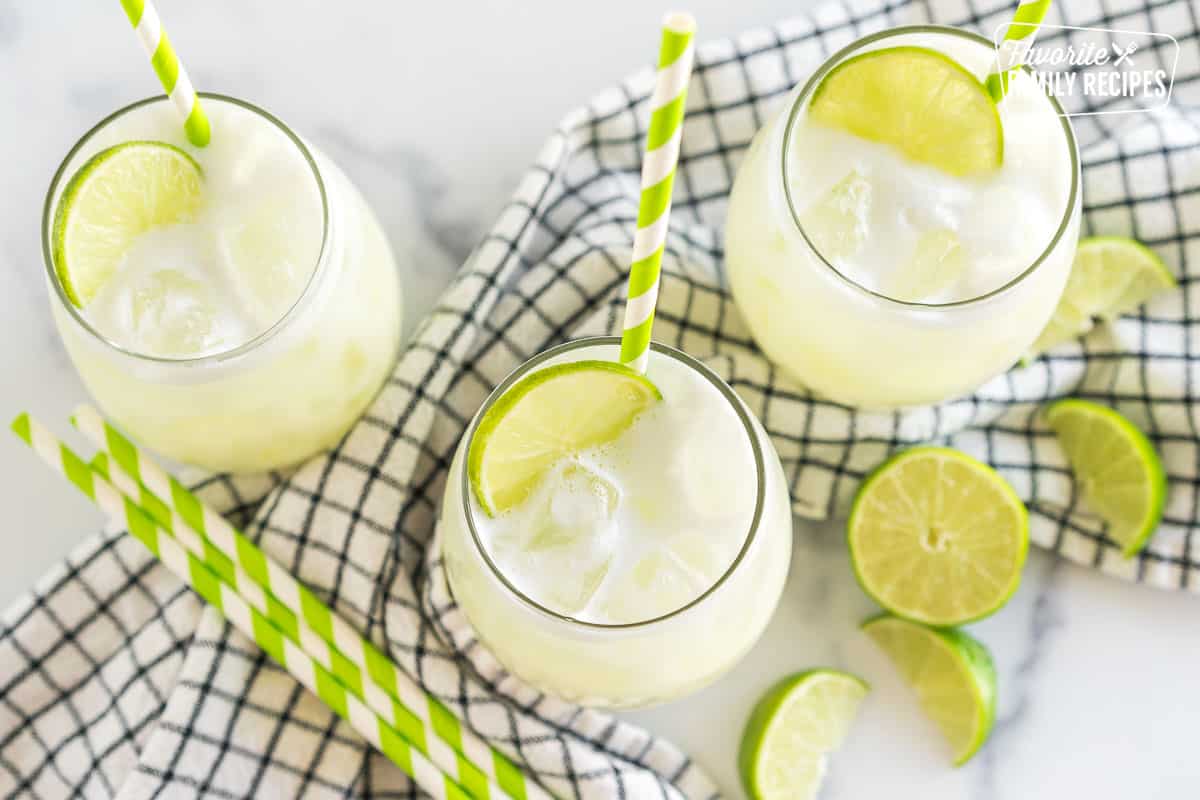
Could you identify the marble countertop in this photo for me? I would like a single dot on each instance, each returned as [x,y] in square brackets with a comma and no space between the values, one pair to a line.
[434,111]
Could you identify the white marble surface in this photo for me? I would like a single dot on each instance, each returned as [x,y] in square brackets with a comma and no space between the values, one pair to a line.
[434,110]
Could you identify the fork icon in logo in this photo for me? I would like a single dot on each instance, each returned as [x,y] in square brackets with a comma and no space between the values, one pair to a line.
[1123,55]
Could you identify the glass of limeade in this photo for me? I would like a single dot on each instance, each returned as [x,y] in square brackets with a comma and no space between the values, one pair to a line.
[879,280]
[637,571]
[234,307]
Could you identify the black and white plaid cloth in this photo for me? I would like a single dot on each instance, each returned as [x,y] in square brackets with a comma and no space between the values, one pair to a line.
[116,681]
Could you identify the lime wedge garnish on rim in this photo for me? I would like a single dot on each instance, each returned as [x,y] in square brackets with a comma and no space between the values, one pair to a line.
[938,537]
[792,731]
[1111,276]
[917,100]
[952,674]
[119,194]
[546,417]
[1115,467]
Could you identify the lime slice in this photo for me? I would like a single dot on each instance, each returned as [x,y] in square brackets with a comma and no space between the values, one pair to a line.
[1111,276]
[918,101]
[547,416]
[1116,469]
[952,673]
[792,731]
[119,194]
[936,536]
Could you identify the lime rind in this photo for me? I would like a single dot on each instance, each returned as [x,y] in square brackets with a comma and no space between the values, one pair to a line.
[498,494]
[1008,500]
[873,95]
[129,205]
[1154,478]
[769,719]
[973,666]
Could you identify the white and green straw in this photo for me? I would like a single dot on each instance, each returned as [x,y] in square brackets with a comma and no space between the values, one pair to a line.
[658,178]
[378,699]
[170,71]
[296,611]
[220,594]
[1011,51]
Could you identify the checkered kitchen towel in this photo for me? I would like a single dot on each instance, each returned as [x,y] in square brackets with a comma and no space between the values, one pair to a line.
[114,681]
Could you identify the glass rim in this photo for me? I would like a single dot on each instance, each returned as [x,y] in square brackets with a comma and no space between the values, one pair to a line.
[255,342]
[688,361]
[837,58]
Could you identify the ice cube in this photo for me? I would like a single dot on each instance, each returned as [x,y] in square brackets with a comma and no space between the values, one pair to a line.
[563,577]
[573,501]
[655,585]
[1002,207]
[173,314]
[161,303]
[937,264]
[998,255]
[268,251]
[569,537]
[561,573]
[583,497]
[269,230]
[838,223]
[571,593]
[714,468]
[704,556]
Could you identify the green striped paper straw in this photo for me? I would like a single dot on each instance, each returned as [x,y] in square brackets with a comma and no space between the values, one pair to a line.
[658,177]
[170,71]
[363,687]
[1010,53]
[219,593]
[477,765]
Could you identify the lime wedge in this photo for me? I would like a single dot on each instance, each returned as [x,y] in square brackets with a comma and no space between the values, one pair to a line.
[547,416]
[917,100]
[1116,469]
[119,194]
[792,731]
[1111,276]
[952,674]
[938,537]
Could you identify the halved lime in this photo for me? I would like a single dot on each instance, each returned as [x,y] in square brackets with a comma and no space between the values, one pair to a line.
[938,537]
[1111,275]
[917,100]
[116,196]
[547,416]
[792,731]
[1116,469]
[952,673]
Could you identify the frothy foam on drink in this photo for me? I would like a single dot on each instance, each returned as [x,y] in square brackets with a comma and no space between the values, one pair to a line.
[643,526]
[212,283]
[915,233]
